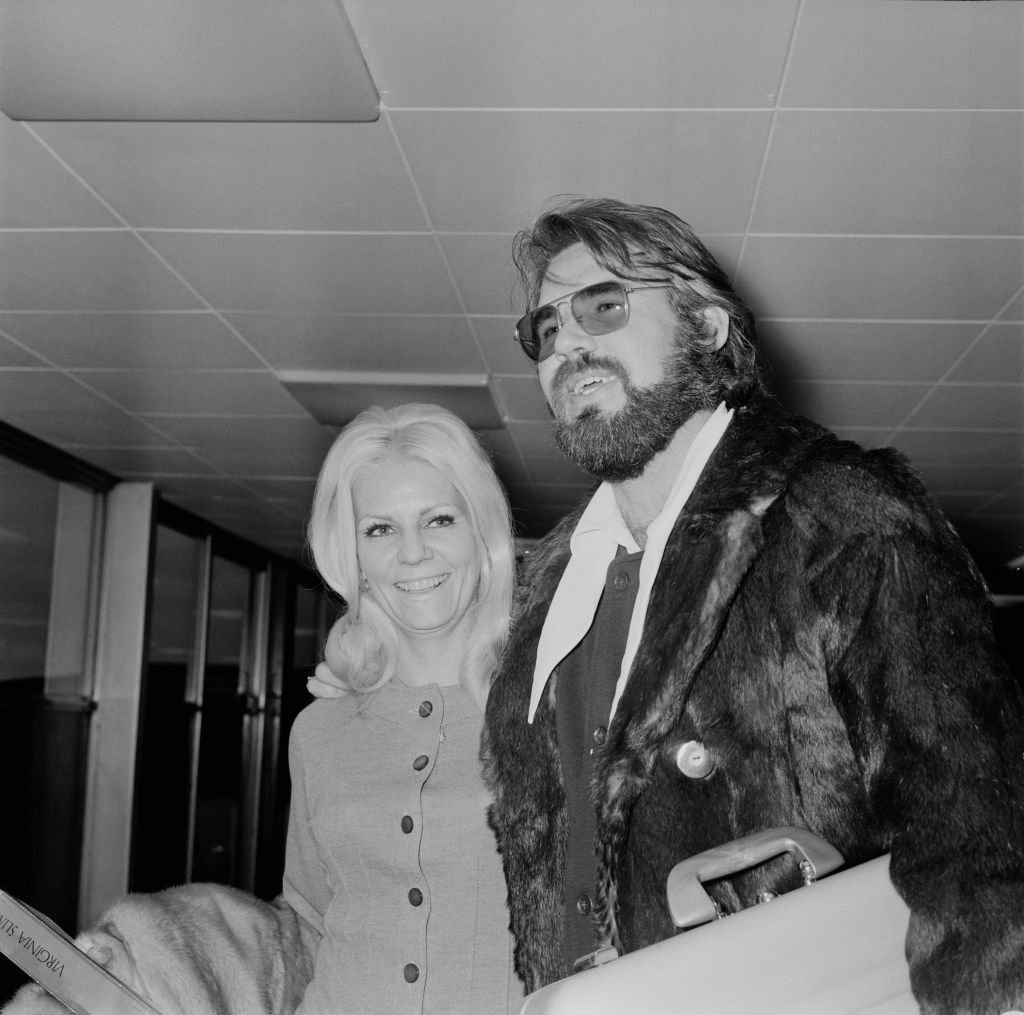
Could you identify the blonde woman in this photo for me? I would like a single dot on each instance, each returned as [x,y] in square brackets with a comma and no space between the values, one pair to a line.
[391,867]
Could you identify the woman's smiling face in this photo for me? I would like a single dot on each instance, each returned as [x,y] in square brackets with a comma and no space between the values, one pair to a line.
[416,545]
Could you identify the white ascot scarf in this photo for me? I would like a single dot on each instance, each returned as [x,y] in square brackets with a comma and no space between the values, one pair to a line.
[593,545]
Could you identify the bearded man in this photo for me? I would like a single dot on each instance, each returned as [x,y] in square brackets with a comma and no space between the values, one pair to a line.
[750,624]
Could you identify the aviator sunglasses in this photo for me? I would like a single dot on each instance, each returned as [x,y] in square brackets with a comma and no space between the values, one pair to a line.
[598,309]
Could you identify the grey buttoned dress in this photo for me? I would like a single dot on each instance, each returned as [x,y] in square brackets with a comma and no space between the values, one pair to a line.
[390,862]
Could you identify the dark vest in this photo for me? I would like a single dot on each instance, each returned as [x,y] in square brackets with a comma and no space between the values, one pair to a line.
[586,687]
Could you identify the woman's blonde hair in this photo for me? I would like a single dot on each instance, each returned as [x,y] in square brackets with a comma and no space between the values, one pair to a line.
[362,647]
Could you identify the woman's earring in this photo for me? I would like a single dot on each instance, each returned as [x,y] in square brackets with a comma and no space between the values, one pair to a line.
[364,583]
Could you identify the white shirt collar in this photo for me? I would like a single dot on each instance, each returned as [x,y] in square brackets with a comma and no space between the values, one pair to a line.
[593,544]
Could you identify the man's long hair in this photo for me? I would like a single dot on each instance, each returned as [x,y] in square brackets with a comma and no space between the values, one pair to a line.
[646,244]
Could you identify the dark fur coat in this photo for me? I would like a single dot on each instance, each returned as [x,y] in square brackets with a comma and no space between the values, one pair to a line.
[818,627]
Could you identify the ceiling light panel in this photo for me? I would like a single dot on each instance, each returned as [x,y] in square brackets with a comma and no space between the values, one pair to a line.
[190,60]
[335,398]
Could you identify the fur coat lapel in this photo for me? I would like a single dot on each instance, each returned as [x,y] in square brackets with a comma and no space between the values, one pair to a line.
[714,541]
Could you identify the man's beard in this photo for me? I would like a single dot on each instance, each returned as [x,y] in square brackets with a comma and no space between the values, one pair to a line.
[618,446]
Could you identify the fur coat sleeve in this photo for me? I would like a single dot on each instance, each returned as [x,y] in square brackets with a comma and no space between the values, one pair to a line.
[901,640]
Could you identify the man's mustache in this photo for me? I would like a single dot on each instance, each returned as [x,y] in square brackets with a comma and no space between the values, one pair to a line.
[571,369]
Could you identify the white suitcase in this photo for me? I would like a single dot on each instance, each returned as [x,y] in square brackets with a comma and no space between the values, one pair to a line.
[834,947]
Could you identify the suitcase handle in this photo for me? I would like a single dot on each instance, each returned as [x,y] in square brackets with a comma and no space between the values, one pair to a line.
[688,902]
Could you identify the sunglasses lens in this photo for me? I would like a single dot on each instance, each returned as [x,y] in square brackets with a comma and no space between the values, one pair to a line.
[601,308]
[524,336]
[536,332]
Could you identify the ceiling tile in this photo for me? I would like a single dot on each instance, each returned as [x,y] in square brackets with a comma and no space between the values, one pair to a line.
[249,520]
[861,172]
[302,460]
[245,433]
[535,521]
[219,505]
[102,425]
[144,463]
[482,268]
[29,390]
[131,340]
[907,54]
[419,343]
[1014,311]
[511,470]
[565,495]
[297,490]
[206,487]
[535,439]
[556,470]
[37,191]
[252,447]
[499,443]
[12,355]
[702,165]
[852,404]
[996,544]
[296,176]
[106,270]
[956,503]
[865,436]
[997,357]
[501,352]
[971,447]
[972,406]
[930,278]
[203,392]
[520,397]
[583,53]
[968,476]
[310,273]
[863,351]
[1009,505]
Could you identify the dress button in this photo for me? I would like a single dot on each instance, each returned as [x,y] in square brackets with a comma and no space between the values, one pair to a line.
[426,707]
[415,897]
[420,763]
[621,581]
[411,973]
[406,824]
[584,905]
[600,734]
[694,760]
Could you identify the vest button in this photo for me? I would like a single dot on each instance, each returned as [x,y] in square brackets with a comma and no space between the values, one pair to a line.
[415,897]
[420,763]
[411,973]
[600,734]
[426,707]
[584,905]
[621,581]
[406,824]
[694,760]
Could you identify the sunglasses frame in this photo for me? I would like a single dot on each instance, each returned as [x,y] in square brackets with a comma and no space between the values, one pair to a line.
[569,298]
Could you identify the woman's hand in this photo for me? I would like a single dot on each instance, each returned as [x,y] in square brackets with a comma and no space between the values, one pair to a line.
[33,1000]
